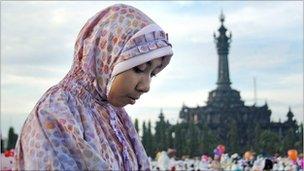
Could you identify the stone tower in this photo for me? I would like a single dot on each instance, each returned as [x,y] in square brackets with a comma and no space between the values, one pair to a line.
[223,94]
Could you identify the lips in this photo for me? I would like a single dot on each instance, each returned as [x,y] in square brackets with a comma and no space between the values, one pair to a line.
[134,97]
[131,100]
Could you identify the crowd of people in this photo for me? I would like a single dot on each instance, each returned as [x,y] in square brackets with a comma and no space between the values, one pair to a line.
[221,161]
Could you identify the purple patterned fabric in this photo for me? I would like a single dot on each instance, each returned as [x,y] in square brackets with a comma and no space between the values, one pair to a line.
[73,126]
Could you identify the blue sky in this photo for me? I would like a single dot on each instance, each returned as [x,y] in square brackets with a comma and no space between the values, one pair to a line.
[37,40]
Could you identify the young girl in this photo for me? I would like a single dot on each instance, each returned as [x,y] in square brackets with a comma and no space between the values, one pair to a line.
[80,123]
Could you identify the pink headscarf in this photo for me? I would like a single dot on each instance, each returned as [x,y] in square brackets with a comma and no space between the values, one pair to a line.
[73,126]
[117,39]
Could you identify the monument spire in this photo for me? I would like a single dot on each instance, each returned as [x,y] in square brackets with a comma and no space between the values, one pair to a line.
[222,44]
[223,95]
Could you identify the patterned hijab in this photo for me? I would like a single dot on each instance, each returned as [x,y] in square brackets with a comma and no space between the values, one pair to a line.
[76,112]
[115,40]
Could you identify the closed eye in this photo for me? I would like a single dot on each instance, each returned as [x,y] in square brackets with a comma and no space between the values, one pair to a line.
[137,70]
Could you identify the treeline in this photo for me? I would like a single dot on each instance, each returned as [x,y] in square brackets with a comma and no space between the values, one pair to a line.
[197,139]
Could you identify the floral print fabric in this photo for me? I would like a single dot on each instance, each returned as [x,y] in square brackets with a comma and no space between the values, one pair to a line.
[73,126]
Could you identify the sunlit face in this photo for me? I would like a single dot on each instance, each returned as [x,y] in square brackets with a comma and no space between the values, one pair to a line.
[128,86]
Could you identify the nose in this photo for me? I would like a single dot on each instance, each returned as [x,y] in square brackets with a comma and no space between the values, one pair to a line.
[143,85]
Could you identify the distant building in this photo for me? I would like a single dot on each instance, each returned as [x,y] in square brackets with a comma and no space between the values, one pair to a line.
[225,106]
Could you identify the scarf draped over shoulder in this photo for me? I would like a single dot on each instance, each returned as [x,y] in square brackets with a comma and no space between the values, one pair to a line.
[73,126]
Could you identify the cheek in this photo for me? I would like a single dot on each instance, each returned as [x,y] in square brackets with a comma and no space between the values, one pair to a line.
[120,89]
[128,83]
[115,94]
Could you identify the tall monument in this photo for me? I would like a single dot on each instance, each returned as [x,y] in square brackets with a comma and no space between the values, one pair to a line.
[223,95]
[222,45]
[224,106]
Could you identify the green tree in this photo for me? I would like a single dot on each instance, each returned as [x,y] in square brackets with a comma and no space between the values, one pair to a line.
[268,142]
[12,138]
[193,140]
[185,150]
[150,144]
[208,140]
[148,140]
[144,138]
[136,125]
[161,134]
[299,138]
[2,145]
[232,137]
[289,140]
[255,139]
[178,139]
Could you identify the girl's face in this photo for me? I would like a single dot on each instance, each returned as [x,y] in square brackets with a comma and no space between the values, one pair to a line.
[128,86]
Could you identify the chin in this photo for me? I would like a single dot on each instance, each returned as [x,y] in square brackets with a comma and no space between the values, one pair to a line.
[116,104]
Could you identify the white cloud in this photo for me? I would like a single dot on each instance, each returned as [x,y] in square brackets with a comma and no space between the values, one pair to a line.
[172,99]
[184,3]
[282,92]
[257,20]
[265,58]
[246,22]
[29,81]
